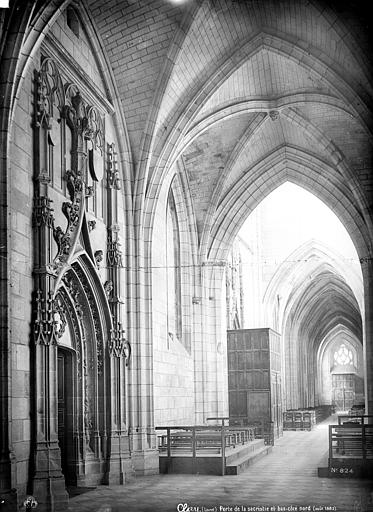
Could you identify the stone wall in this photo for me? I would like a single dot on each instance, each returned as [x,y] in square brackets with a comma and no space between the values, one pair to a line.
[21,263]
[173,363]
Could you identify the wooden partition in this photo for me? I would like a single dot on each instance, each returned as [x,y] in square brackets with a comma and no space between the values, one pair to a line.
[254,377]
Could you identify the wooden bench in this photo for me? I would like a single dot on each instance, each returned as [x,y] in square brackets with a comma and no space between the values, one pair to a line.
[299,419]
[204,438]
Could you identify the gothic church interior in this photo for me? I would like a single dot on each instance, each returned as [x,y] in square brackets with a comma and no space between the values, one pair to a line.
[137,138]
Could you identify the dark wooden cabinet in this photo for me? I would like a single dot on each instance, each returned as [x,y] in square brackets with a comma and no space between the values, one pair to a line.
[343,386]
[254,377]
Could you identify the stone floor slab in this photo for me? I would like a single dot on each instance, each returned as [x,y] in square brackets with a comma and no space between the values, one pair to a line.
[284,481]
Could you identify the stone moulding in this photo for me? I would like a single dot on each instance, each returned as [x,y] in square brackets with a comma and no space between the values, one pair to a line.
[70,298]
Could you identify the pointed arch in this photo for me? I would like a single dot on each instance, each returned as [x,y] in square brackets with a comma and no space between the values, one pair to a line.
[314,308]
[311,258]
[296,165]
[332,341]
[168,144]
[83,305]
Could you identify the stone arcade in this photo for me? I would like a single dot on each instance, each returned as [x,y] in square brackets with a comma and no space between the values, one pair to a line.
[136,138]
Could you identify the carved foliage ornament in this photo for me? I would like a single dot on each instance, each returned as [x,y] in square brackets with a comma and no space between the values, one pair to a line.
[113,179]
[59,316]
[99,256]
[45,325]
[91,225]
[114,254]
[367,259]
[84,120]
[43,212]
[118,345]
[74,311]
[274,115]
[108,287]
[74,292]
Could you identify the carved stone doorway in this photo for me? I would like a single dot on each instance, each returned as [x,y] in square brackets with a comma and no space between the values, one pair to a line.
[66,400]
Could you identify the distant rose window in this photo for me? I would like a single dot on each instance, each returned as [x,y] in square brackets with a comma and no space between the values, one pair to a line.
[343,355]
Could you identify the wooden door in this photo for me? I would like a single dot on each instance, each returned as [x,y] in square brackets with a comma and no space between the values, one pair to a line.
[343,386]
[62,409]
[65,386]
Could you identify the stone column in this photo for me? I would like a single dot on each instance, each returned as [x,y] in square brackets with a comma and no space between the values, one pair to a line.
[119,348]
[120,466]
[199,384]
[367,269]
[48,481]
[143,440]
[213,360]
[219,339]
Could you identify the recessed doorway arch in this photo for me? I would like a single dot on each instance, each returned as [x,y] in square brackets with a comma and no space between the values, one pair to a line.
[318,289]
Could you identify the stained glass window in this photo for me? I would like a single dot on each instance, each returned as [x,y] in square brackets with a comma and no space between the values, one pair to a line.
[343,355]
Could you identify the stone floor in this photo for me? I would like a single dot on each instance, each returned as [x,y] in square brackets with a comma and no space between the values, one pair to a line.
[284,481]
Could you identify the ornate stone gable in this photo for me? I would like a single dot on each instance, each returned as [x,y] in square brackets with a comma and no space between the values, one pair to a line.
[65,123]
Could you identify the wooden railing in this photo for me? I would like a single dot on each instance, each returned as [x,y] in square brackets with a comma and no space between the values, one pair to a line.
[318,413]
[263,429]
[224,419]
[362,419]
[196,440]
[350,441]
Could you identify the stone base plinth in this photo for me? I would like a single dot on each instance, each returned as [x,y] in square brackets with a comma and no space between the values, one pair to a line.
[145,462]
[51,494]
[121,472]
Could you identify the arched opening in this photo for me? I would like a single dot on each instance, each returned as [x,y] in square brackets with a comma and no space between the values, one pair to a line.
[301,277]
[344,376]
[83,398]
[341,354]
